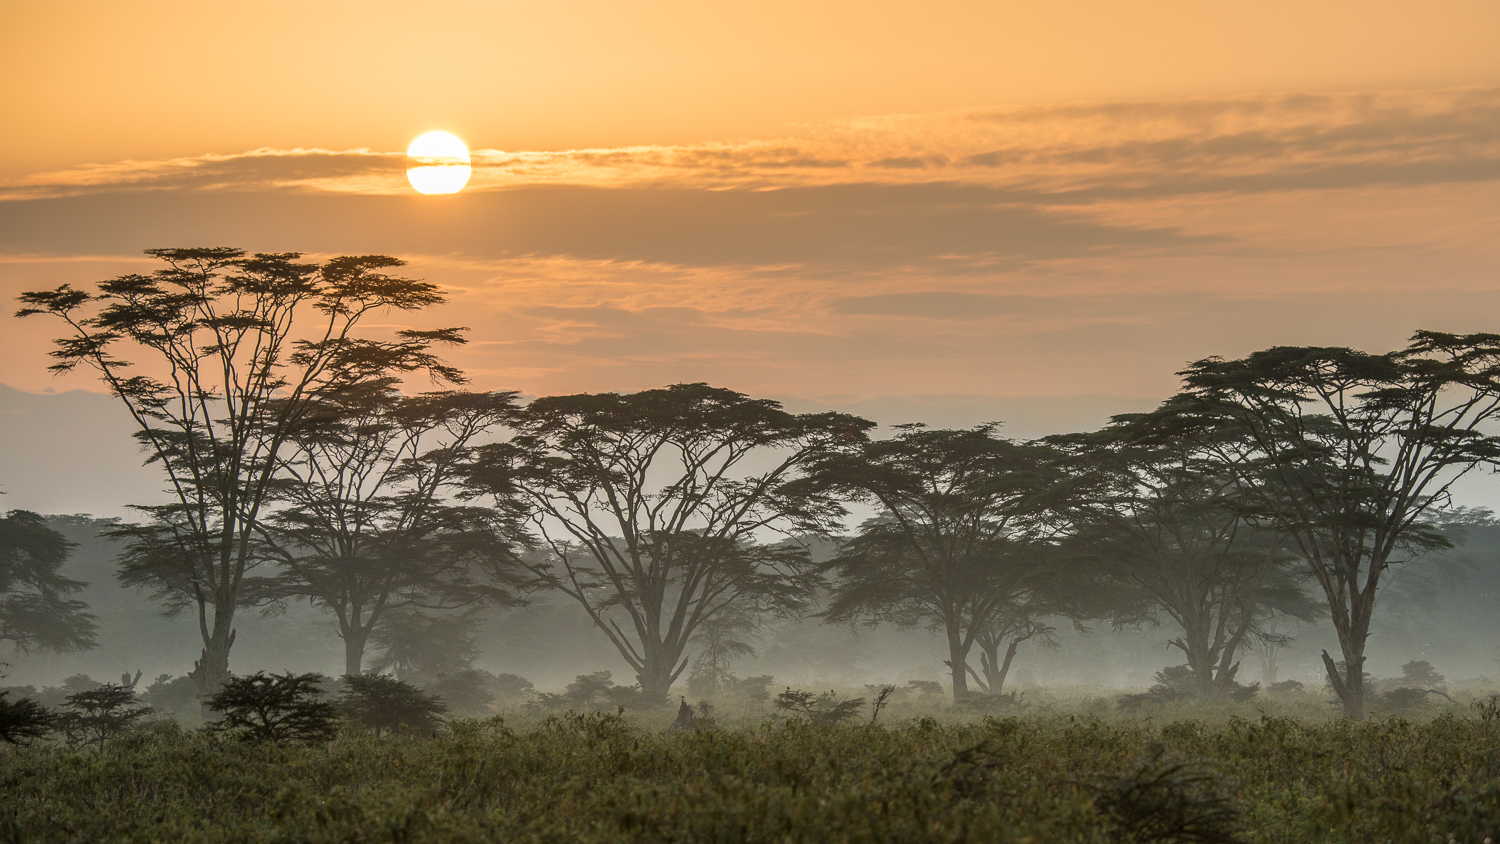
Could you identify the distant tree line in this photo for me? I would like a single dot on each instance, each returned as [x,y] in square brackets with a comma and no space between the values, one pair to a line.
[1281,485]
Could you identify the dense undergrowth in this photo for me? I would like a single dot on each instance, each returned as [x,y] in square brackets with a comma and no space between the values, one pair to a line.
[607,778]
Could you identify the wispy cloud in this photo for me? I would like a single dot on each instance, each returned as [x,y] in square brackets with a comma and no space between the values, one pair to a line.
[1201,145]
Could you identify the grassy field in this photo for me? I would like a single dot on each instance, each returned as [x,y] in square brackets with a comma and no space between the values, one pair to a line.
[566,778]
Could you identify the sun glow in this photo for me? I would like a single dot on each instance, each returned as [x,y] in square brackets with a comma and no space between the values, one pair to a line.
[438,162]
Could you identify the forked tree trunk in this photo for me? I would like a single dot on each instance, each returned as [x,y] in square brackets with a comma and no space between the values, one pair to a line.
[997,668]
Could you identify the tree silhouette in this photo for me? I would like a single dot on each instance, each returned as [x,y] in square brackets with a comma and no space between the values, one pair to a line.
[1352,453]
[233,351]
[275,708]
[650,504]
[101,713]
[1160,515]
[954,546]
[36,613]
[385,703]
[364,525]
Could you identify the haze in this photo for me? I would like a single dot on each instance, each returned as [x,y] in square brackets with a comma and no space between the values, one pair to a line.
[949,213]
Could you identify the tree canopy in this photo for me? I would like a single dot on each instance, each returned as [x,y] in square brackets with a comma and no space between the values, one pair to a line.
[36,612]
[653,506]
[230,351]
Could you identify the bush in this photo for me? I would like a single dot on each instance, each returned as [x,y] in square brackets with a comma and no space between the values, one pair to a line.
[1161,800]
[823,709]
[100,714]
[594,692]
[385,703]
[466,692]
[172,696]
[275,708]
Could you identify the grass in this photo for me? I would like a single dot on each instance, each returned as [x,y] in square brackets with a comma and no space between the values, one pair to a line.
[603,778]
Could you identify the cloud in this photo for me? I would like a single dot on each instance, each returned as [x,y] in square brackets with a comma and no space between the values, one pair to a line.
[1034,151]
[942,227]
[941,304]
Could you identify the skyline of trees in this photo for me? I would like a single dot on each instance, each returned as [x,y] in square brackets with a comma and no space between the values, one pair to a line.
[682,517]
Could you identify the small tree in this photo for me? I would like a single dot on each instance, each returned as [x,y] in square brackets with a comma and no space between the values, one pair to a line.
[825,709]
[101,714]
[722,639]
[276,708]
[385,703]
[36,613]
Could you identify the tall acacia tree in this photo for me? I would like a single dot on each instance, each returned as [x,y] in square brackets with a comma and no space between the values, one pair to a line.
[36,612]
[365,521]
[1158,514]
[652,505]
[233,350]
[1353,453]
[956,545]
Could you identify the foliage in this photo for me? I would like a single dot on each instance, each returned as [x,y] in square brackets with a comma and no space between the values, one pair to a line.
[598,778]
[721,639]
[954,546]
[23,720]
[173,696]
[1168,801]
[364,523]
[36,613]
[1178,682]
[1352,454]
[275,708]
[385,703]
[416,644]
[97,715]
[825,709]
[469,692]
[591,693]
[1420,673]
[650,506]
[1159,517]
[218,356]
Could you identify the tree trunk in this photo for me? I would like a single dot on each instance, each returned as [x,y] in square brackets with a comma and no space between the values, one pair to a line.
[211,671]
[1349,686]
[354,649]
[657,675]
[958,662]
[995,668]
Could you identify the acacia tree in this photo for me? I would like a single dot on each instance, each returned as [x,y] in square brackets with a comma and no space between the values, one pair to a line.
[234,350]
[1160,515]
[1353,453]
[364,523]
[651,505]
[36,613]
[955,546]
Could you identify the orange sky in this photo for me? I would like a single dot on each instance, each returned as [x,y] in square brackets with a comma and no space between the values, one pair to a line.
[932,206]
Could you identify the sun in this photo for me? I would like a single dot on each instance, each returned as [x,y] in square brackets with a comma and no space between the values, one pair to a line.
[438,162]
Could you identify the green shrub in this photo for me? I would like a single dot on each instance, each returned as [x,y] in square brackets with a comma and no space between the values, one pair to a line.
[100,714]
[385,703]
[275,708]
